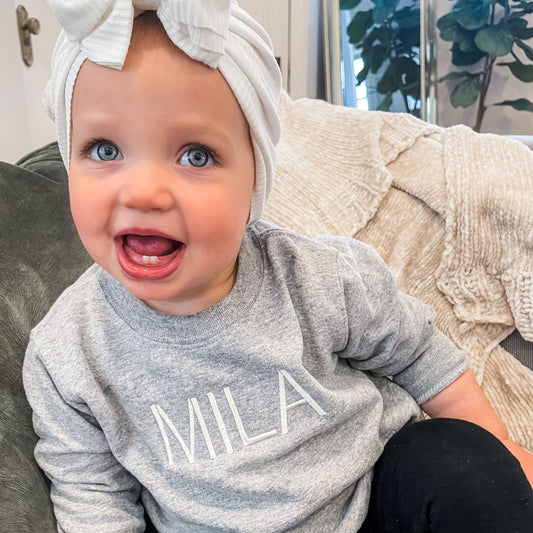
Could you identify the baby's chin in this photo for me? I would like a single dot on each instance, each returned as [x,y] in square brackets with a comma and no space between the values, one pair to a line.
[165,299]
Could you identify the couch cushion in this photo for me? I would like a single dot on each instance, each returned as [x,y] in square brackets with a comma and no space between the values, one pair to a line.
[40,255]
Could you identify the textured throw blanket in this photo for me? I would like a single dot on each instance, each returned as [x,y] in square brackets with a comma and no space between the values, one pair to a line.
[448,209]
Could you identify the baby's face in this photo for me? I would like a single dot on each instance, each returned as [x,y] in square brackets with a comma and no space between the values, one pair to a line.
[161,175]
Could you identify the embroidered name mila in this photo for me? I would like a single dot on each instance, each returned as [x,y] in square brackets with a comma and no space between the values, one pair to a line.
[168,430]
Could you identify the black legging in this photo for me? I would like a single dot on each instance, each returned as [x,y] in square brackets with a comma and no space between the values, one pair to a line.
[448,476]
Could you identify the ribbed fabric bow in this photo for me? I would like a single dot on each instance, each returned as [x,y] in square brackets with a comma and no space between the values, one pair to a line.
[198,28]
[215,32]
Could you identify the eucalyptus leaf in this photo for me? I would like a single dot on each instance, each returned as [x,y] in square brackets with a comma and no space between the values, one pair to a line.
[456,75]
[383,9]
[386,103]
[520,105]
[447,26]
[408,39]
[526,8]
[406,70]
[412,89]
[465,39]
[375,57]
[377,33]
[526,48]
[471,14]
[359,25]
[362,74]
[461,59]
[522,33]
[407,17]
[402,74]
[515,21]
[495,40]
[520,71]
[466,92]
[349,4]
[388,83]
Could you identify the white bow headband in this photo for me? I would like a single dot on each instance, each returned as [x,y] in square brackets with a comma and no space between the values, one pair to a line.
[215,32]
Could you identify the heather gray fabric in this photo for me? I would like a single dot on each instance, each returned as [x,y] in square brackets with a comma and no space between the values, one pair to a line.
[262,413]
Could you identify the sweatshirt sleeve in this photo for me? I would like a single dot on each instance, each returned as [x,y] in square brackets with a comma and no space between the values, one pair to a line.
[390,333]
[90,490]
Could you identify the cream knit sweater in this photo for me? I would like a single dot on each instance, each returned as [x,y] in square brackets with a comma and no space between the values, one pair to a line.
[449,210]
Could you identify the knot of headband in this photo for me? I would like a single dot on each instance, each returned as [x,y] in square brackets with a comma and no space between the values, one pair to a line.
[198,28]
[215,32]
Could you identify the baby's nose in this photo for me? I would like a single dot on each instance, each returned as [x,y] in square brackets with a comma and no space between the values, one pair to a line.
[146,190]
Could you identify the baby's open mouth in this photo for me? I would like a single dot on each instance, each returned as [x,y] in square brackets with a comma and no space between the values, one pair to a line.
[148,256]
[149,249]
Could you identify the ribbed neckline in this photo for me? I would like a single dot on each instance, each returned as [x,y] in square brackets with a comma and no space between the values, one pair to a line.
[202,326]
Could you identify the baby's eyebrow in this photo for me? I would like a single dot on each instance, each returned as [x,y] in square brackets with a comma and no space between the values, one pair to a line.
[203,129]
[101,123]
[94,118]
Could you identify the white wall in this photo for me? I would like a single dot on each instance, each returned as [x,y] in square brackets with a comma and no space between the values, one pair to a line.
[36,76]
[306,50]
[24,125]
[13,116]
[274,17]
[295,27]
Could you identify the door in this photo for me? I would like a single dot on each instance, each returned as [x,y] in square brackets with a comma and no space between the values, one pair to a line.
[274,17]
[24,125]
[295,29]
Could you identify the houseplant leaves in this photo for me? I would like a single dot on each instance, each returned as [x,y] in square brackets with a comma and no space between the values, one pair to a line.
[495,40]
[480,32]
[466,92]
[520,71]
[349,4]
[389,41]
[520,105]
[471,14]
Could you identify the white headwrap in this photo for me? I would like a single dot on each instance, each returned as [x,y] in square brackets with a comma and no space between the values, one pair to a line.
[215,32]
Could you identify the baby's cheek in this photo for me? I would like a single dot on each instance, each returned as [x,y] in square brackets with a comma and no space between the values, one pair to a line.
[223,226]
[79,211]
[88,211]
[84,191]
[229,207]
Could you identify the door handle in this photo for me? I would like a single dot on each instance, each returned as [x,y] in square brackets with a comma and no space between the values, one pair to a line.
[27,26]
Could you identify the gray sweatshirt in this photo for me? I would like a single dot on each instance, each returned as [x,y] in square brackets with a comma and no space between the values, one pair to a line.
[266,412]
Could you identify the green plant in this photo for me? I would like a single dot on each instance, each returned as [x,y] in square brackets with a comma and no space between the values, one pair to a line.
[389,36]
[481,32]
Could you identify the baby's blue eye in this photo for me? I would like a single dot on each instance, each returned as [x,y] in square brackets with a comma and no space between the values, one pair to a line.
[196,157]
[105,151]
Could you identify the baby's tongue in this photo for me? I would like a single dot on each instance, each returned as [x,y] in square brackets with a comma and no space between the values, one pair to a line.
[150,244]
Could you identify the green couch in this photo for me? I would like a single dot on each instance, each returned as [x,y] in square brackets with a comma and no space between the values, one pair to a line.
[40,254]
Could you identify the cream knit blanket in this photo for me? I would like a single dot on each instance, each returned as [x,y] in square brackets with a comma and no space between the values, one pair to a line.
[448,209]
[487,265]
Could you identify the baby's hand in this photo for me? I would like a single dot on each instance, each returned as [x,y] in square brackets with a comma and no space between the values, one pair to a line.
[525,458]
